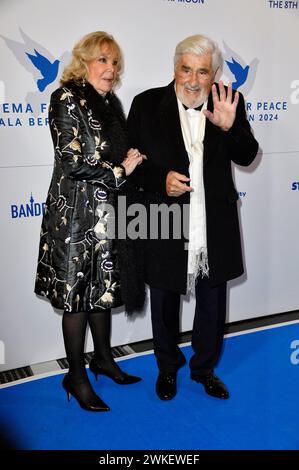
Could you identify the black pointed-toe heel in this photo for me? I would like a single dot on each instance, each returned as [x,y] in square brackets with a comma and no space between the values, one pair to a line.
[124,379]
[95,405]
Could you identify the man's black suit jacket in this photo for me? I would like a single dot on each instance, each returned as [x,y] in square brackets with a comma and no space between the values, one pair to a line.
[154,128]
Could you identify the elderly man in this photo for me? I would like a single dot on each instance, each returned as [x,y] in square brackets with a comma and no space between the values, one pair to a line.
[191,131]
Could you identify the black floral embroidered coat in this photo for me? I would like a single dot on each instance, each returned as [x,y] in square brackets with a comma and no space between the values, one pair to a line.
[79,266]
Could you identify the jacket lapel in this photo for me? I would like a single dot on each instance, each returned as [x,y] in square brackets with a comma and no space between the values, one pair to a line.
[170,122]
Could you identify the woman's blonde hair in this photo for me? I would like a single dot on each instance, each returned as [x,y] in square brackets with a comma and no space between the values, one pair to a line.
[88,48]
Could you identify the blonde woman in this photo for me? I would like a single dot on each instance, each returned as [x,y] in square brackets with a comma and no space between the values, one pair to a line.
[80,269]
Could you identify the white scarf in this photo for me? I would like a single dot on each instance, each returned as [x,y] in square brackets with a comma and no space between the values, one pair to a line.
[193,125]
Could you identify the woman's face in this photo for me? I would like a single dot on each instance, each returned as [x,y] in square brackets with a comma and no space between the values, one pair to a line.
[103,71]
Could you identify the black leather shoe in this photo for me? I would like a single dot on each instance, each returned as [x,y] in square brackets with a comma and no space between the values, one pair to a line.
[166,385]
[96,404]
[122,379]
[212,384]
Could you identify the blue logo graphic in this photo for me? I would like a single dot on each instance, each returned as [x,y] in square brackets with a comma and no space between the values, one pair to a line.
[44,63]
[39,63]
[48,70]
[33,209]
[240,73]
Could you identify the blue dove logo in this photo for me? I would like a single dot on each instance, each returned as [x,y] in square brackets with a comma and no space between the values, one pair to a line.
[39,63]
[244,75]
[47,69]
[240,73]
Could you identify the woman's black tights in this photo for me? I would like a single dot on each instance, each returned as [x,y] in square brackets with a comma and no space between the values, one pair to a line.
[74,332]
[100,327]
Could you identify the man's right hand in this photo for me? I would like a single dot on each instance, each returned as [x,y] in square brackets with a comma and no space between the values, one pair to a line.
[175,184]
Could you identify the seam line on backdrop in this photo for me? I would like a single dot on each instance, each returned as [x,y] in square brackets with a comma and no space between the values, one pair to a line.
[271,153]
[25,166]
[51,164]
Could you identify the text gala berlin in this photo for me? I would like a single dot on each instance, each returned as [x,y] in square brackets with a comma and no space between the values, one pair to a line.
[17,122]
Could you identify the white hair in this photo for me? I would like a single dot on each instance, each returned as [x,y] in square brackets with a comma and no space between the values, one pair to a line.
[199,45]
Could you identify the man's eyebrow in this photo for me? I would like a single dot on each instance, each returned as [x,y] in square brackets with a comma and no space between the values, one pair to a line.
[200,69]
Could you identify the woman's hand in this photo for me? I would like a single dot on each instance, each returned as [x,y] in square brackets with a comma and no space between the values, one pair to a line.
[133,158]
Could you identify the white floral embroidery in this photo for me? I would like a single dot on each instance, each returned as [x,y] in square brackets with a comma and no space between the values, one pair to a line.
[107,297]
[118,171]
[65,95]
[100,228]
[75,145]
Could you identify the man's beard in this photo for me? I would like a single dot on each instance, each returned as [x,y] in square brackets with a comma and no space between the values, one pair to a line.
[189,101]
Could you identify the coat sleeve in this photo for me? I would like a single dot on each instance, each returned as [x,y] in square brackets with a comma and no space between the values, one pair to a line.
[241,143]
[78,162]
[148,176]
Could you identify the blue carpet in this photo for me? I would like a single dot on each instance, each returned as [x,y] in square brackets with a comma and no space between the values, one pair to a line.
[262,412]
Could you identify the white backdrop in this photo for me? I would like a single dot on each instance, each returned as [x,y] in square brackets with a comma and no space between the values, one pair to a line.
[260,34]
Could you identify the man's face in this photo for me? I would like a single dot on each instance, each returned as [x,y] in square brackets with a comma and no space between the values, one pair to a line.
[194,77]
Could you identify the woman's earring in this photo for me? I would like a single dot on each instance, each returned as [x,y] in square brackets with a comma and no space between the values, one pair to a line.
[83,82]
